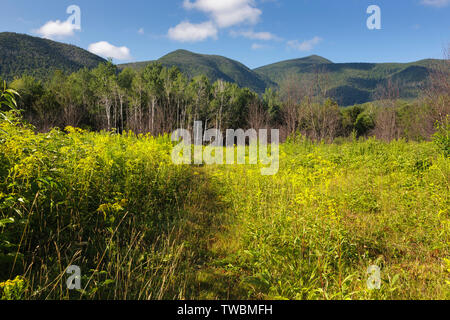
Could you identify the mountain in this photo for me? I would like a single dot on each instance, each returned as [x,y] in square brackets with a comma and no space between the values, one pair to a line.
[22,54]
[276,72]
[213,66]
[353,83]
[348,83]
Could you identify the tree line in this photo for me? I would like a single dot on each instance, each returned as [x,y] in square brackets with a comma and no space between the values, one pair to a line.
[159,100]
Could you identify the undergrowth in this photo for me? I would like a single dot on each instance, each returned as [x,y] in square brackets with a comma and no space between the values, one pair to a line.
[140,227]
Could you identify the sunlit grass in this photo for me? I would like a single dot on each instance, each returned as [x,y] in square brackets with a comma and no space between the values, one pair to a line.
[141,227]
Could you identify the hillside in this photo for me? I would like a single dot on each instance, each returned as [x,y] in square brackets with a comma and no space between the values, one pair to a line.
[348,83]
[213,66]
[22,54]
[352,83]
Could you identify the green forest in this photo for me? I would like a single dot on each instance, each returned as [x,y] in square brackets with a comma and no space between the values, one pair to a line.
[158,100]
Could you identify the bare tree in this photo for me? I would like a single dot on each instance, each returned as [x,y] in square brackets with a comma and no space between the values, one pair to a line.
[319,116]
[321,122]
[437,95]
[71,115]
[386,120]
[257,116]
[293,90]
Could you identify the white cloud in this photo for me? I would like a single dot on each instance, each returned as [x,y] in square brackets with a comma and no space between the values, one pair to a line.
[307,45]
[189,32]
[222,14]
[436,3]
[56,29]
[258,46]
[107,50]
[227,13]
[141,31]
[263,36]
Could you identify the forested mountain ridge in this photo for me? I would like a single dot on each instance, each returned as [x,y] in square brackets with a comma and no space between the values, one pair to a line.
[23,54]
[353,83]
[347,83]
[213,66]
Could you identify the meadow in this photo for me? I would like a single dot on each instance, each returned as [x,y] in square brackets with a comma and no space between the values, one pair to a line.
[141,227]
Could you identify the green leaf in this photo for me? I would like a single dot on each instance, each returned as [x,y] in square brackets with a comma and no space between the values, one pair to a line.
[6,221]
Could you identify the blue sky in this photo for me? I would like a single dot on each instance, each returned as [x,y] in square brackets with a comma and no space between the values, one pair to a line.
[254,32]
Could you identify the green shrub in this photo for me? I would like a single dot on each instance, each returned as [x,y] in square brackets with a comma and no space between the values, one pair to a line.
[442,137]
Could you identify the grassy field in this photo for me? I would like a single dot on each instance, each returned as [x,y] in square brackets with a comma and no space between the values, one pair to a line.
[140,227]
[312,231]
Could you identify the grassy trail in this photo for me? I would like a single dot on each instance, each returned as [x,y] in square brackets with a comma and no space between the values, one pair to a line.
[141,227]
[313,230]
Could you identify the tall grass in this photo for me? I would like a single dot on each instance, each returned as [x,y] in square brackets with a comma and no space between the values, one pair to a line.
[312,231]
[113,205]
[140,227]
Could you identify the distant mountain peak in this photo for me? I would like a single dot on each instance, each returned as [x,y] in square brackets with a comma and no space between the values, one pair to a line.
[215,67]
[316,59]
[23,54]
[181,52]
[312,59]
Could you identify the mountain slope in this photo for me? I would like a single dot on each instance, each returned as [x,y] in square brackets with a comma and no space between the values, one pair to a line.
[351,83]
[348,83]
[21,54]
[213,66]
